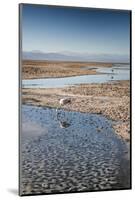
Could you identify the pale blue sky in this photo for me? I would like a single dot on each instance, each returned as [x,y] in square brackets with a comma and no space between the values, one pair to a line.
[58,29]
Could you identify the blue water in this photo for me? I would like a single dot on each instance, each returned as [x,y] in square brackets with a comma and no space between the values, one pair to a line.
[117,72]
[70,151]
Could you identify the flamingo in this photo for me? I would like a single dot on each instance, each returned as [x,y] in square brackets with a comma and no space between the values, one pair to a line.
[63,102]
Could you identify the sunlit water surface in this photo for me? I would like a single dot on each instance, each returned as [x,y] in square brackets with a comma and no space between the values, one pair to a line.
[117,72]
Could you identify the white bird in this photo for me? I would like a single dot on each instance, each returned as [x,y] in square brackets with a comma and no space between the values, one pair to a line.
[64,101]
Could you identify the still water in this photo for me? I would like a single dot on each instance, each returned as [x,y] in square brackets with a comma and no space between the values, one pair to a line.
[68,151]
[117,72]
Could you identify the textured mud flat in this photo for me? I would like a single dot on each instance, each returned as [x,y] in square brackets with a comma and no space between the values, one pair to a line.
[70,152]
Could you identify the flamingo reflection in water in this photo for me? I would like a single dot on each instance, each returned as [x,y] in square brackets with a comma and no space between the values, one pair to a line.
[61,119]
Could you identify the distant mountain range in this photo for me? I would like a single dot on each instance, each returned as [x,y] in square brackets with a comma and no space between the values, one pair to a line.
[73,56]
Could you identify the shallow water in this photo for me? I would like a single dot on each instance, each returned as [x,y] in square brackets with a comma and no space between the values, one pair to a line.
[69,152]
[117,72]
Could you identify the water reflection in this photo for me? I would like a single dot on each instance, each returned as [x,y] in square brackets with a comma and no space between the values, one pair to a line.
[64,124]
[62,120]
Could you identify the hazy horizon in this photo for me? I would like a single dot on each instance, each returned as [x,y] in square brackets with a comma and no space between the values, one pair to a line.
[74,56]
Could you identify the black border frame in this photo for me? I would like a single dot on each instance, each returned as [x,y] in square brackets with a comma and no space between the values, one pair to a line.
[20,92]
